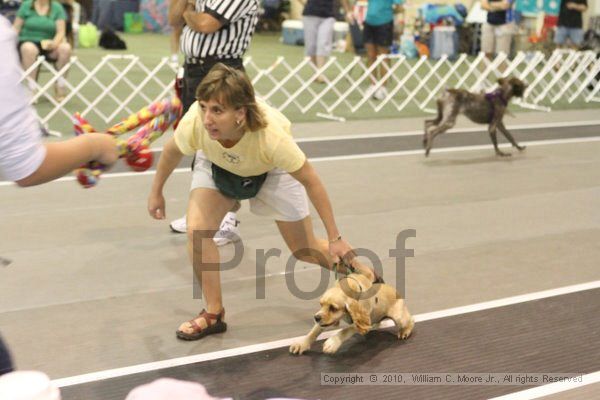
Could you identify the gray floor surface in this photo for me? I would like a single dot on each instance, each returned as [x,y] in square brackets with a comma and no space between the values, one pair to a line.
[95,284]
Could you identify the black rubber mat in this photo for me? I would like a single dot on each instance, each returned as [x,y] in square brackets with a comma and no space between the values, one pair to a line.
[553,335]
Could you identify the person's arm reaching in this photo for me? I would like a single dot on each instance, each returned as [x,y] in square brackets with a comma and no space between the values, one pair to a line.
[317,194]
[63,157]
[169,160]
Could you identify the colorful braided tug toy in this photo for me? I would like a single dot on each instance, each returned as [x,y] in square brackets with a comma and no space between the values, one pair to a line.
[156,119]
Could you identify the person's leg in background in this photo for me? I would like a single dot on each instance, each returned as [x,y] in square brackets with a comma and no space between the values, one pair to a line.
[29,52]
[576,36]
[488,40]
[385,37]
[62,55]
[504,39]
[324,43]
[560,36]
[371,50]
[311,31]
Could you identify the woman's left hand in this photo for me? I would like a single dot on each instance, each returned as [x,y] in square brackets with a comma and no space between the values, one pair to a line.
[51,45]
[341,250]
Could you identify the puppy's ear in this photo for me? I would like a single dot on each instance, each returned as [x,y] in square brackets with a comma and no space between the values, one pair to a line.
[501,81]
[360,316]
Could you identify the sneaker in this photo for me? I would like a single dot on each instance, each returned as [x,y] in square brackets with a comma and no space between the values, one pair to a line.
[372,91]
[381,93]
[228,231]
[179,225]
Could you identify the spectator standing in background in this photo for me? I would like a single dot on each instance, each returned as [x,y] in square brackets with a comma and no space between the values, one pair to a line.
[498,31]
[378,37]
[318,22]
[570,23]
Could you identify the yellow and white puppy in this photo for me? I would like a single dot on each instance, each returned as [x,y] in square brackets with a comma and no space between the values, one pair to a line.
[360,303]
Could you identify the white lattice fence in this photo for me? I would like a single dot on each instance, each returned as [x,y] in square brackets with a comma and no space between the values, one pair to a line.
[103,93]
[119,85]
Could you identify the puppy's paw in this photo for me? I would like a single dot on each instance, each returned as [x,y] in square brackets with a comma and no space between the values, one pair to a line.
[300,347]
[332,345]
[405,332]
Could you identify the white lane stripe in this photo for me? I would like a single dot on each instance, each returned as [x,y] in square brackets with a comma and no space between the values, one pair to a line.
[546,390]
[362,156]
[461,130]
[153,366]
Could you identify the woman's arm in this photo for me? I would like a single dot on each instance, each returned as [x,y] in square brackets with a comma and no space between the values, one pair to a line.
[169,160]
[577,7]
[61,31]
[176,9]
[18,24]
[349,12]
[317,194]
[200,22]
[496,5]
[64,157]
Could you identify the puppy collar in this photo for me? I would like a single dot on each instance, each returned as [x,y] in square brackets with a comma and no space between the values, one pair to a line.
[496,94]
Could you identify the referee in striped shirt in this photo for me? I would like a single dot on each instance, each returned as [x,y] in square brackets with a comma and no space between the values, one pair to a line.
[214,31]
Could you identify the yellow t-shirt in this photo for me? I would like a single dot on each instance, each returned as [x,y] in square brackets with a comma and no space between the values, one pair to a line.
[256,152]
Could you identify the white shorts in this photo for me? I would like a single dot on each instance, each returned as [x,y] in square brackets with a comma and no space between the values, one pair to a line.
[281,196]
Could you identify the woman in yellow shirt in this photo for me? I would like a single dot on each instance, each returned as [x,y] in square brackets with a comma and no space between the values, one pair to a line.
[247,153]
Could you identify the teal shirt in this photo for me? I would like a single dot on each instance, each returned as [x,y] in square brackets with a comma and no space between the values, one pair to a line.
[381,12]
[39,27]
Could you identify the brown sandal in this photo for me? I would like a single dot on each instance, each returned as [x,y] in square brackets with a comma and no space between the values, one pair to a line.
[214,324]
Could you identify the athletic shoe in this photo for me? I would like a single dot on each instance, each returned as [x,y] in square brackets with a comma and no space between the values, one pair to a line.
[228,231]
[381,93]
[179,225]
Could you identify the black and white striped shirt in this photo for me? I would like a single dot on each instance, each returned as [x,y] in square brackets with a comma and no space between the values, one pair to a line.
[238,17]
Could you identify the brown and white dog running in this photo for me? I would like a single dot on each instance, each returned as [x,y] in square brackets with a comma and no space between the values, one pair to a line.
[481,108]
[361,304]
